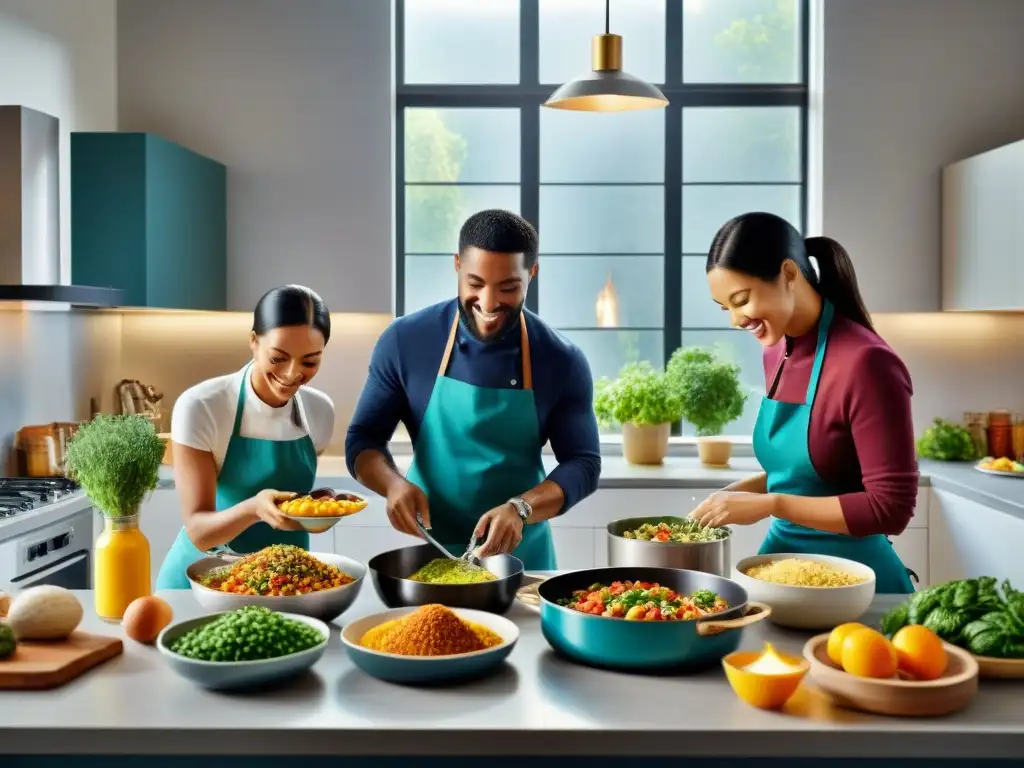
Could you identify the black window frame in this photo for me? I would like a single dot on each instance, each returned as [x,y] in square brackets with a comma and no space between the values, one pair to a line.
[528,94]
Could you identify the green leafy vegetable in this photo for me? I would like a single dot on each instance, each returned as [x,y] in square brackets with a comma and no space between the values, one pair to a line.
[946,441]
[640,395]
[970,613]
[708,387]
[116,459]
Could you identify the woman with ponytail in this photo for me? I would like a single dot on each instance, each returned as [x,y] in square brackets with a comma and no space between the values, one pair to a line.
[834,433]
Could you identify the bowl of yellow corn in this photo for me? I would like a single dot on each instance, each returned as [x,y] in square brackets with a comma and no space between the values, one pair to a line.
[322,509]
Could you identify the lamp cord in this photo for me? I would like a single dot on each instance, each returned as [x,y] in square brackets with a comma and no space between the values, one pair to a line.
[607,16]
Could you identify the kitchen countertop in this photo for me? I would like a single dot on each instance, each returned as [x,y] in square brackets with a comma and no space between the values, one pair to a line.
[538,704]
[1003,493]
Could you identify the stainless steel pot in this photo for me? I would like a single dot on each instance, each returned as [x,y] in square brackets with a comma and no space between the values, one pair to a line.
[706,556]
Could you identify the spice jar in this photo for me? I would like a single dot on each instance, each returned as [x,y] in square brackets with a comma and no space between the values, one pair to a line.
[1018,437]
[1000,434]
[975,424]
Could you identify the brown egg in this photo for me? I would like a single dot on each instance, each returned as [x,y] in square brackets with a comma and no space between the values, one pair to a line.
[145,617]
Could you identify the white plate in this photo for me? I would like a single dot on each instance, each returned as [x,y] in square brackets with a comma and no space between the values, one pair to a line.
[1018,475]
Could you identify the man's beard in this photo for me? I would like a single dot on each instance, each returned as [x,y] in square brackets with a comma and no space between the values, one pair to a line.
[469,321]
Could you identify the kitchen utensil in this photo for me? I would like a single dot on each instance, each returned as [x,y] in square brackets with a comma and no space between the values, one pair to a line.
[326,605]
[893,696]
[764,691]
[809,607]
[707,556]
[1000,669]
[645,645]
[425,669]
[320,523]
[239,674]
[429,537]
[390,572]
[36,665]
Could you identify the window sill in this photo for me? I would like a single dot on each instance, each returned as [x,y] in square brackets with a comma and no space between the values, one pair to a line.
[611,445]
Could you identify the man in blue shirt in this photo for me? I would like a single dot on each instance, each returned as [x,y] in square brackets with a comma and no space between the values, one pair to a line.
[481,385]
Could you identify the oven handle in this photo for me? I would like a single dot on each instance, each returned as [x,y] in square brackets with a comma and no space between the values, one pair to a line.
[49,571]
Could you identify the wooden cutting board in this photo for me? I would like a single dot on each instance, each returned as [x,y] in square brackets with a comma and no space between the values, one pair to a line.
[36,664]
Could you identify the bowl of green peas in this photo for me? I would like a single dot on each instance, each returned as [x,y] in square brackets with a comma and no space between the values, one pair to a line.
[250,646]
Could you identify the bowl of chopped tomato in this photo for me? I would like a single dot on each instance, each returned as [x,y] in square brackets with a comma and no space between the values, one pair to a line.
[645,618]
[281,577]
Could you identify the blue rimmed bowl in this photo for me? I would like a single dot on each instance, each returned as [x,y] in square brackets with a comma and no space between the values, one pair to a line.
[396,668]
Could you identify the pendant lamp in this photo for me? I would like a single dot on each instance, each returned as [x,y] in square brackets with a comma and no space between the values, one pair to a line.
[607,88]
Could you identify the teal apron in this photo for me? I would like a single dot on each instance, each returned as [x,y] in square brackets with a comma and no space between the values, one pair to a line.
[477,448]
[782,449]
[250,465]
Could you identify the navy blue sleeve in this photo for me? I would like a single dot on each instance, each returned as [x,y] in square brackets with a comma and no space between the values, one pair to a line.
[572,432]
[382,404]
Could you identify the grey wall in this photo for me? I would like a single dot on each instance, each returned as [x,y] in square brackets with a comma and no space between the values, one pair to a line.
[294,96]
[910,86]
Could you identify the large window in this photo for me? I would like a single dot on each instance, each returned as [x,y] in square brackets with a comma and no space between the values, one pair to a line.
[626,203]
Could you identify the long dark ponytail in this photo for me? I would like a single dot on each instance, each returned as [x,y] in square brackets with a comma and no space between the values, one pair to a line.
[757,244]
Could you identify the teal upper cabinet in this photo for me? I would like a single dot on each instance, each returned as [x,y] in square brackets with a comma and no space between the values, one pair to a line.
[148,217]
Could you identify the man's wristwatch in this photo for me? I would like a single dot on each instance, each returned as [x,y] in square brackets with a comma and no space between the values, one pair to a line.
[522,509]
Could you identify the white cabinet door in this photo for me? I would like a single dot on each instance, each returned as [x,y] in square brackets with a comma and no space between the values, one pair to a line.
[746,540]
[968,539]
[160,522]
[574,547]
[912,547]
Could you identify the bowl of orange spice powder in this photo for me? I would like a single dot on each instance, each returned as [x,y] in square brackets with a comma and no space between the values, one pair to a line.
[283,578]
[431,643]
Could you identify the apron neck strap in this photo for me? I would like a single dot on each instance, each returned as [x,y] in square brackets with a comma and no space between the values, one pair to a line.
[819,350]
[524,347]
[236,430]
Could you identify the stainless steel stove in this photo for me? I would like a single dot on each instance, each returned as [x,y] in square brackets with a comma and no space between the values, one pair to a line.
[23,494]
[46,533]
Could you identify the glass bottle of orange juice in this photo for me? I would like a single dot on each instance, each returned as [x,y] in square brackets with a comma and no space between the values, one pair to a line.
[122,571]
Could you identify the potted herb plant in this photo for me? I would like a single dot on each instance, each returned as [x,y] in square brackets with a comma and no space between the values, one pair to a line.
[116,460]
[711,396]
[644,404]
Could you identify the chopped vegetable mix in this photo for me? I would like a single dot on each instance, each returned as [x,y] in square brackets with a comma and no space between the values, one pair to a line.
[443,570]
[280,569]
[970,613]
[643,601]
[248,634]
[685,532]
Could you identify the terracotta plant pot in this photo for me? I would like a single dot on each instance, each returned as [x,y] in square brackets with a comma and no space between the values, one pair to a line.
[714,451]
[645,443]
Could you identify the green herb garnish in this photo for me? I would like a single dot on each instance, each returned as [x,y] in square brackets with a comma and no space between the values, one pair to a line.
[708,388]
[116,459]
[946,441]
[640,395]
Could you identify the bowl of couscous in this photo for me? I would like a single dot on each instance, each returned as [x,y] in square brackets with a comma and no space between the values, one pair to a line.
[807,591]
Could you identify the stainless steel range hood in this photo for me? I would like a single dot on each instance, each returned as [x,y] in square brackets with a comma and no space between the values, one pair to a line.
[30,214]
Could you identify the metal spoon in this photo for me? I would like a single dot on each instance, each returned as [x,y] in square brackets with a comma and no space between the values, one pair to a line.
[467,557]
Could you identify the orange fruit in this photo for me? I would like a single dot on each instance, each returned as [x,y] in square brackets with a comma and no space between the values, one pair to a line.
[867,653]
[920,652]
[836,638]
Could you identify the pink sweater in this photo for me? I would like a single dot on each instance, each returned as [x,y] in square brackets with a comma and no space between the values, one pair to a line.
[861,432]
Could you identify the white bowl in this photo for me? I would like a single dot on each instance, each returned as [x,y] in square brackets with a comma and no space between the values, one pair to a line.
[396,668]
[809,607]
[326,605]
[239,674]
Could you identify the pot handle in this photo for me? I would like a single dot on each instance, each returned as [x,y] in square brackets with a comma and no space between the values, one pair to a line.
[528,594]
[754,613]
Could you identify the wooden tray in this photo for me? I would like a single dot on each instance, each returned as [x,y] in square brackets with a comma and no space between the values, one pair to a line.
[1005,669]
[37,664]
[906,698]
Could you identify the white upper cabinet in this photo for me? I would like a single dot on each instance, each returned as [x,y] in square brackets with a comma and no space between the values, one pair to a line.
[982,249]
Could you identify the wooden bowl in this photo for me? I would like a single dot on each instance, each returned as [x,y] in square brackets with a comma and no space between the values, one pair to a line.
[894,696]
[1000,669]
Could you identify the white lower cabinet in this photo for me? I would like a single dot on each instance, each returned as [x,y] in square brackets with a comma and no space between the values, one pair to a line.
[968,539]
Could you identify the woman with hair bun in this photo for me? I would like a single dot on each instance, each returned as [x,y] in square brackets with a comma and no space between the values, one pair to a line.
[834,433]
[248,440]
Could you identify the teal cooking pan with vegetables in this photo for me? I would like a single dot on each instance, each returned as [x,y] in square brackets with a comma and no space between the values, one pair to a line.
[691,622]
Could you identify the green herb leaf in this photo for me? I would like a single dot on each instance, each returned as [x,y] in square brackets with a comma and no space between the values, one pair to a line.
[946,441]
[116,459]
[709,389]
[640,395]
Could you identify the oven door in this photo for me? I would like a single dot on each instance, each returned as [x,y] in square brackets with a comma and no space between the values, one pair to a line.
[71,572]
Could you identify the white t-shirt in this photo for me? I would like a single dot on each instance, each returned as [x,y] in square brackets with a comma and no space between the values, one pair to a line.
[204,416]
